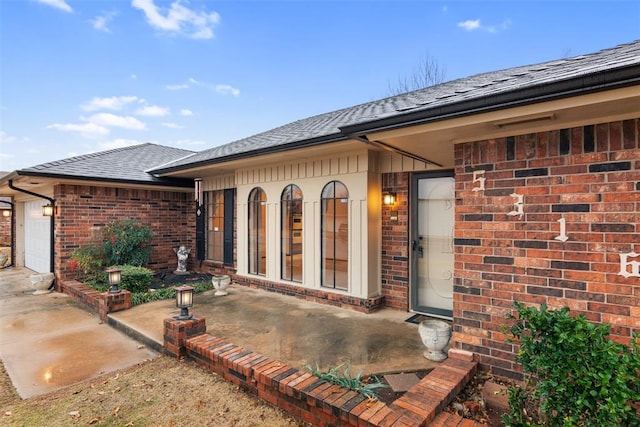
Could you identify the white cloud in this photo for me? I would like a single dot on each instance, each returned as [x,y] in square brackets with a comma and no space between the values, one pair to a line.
[472,25]
[171,125]
[177,86]
[222,89]
[469,25]
[58,4]
[186,112]
[112,103]
[133,77]
[227,90]
[179,19]
[89,130]
[153,111]
[100,22]
[113,120]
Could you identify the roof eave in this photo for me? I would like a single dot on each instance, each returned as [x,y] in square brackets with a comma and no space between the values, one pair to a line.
[163,182]
[336,137]
[582,85]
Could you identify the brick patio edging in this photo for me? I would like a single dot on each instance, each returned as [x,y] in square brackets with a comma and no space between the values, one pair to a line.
[102,303]
[311,399]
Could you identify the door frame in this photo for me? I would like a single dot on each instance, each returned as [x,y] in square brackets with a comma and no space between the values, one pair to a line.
[413,230]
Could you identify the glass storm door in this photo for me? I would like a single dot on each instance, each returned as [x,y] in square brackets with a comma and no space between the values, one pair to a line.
[432,244]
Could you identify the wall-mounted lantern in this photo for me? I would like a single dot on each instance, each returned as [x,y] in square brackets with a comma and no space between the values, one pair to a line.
[47,210]
[389,199]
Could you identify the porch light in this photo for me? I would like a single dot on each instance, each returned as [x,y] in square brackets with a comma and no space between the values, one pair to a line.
[184,300]
[389,199]
[6,213]
[47,210]
[115,277]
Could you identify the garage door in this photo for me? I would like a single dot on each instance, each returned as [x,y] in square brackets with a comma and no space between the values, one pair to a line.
[37,237]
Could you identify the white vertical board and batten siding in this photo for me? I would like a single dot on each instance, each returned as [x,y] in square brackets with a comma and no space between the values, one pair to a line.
[311,175]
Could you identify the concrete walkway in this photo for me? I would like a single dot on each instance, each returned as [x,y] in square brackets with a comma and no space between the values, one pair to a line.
[293,331]
[48,342]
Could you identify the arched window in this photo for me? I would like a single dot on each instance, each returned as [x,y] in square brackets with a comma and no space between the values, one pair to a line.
[335,235]
[257,232]
[291,232]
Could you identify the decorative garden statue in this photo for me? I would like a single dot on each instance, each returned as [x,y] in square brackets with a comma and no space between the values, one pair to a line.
[183,253]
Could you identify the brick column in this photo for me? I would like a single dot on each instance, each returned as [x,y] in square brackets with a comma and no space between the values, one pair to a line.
[109,303]
[176,332]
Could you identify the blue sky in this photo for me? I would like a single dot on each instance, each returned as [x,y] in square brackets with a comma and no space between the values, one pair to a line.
[80,76]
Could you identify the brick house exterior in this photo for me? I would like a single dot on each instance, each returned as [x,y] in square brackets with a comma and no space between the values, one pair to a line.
[84,210]
[587,176]
[544,162]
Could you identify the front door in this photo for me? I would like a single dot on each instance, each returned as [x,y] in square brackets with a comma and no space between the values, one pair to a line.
[432,201]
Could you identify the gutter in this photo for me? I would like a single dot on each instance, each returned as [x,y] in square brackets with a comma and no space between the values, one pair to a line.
[165,182]
[52,228]
[580,85]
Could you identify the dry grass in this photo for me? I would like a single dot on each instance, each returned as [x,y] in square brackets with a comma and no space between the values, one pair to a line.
[161,392]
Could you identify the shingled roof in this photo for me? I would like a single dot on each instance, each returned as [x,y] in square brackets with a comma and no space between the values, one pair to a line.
[126,165]
[609,68]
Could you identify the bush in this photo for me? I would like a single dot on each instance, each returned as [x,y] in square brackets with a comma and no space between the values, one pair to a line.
[134,278]
[165,293]
[126,242]
[87,261]
[574,375]
[344,379]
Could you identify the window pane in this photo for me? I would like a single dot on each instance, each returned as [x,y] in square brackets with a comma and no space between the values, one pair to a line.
[257,232]
[335,236]
[215,225]
[291,233]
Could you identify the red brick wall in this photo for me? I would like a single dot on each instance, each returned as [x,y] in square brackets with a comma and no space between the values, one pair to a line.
[590,176]
[5,227]
[83,211]
[395,238]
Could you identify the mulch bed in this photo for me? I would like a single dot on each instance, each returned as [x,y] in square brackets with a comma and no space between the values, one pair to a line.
[168,279]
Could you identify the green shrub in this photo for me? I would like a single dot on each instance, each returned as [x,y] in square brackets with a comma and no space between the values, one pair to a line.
[126,242]
[87,260]
[134,278]
[344,379]
[574,375]
[165,293]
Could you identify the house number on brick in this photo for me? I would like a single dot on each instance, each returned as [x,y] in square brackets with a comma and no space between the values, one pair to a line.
[478,176]
[563,231]
[519,205]
[624,265]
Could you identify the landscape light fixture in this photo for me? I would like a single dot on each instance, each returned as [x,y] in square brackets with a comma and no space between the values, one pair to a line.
[184,300]
[389,199]
[47,210]
[115,277]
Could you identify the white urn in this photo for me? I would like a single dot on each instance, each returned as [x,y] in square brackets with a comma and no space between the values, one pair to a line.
[221,283]
[41,282]
[435,335]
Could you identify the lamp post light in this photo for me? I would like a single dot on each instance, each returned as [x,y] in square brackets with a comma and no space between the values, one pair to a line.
[184,300]
[115,278]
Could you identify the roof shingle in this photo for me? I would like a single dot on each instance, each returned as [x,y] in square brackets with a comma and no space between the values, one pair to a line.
[328,126]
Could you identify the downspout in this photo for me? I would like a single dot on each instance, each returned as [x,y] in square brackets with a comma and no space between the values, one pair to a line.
[51,237]
[13,246]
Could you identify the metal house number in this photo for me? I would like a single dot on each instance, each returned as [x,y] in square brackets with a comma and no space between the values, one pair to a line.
[628,268]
